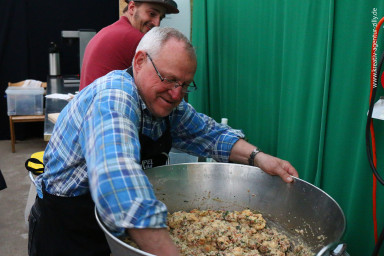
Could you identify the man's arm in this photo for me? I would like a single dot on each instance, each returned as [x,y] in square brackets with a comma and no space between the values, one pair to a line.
[120,189]
[272,165]
[154,240]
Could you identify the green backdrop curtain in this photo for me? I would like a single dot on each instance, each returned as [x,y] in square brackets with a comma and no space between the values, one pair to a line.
[294,76]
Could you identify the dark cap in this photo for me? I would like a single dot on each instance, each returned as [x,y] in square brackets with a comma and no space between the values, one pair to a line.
[170,5]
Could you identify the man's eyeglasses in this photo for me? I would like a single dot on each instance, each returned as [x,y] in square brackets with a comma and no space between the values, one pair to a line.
[170,84]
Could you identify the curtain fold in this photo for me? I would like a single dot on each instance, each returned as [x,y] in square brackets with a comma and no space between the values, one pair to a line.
[327,77]
[202,72]
[294,75]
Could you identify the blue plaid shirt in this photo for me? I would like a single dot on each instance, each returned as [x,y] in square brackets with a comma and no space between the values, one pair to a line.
[95,147]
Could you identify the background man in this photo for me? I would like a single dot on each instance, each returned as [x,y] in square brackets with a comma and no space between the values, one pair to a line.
[113,129]
[114,46]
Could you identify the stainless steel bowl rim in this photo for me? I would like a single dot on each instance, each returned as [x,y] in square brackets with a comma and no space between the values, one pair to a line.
[117,240]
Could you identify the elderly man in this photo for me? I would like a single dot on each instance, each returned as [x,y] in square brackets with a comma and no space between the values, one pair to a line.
[119,125]
[114,46]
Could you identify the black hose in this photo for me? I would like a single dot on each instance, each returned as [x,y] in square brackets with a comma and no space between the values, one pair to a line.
[378,244]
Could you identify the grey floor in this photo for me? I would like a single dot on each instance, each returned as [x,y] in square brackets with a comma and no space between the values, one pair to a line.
[13,199]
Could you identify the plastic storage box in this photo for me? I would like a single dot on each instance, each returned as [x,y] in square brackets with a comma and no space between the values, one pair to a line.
[24,101]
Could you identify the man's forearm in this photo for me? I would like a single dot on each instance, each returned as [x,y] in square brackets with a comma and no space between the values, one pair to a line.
[154,240]
[240,152]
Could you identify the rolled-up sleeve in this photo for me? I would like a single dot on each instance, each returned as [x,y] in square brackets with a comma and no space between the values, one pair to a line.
[200,135]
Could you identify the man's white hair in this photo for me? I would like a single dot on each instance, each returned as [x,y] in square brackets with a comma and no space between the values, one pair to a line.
[154,39]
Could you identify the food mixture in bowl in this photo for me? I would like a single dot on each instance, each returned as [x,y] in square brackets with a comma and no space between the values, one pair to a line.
[229,233]
[224,233]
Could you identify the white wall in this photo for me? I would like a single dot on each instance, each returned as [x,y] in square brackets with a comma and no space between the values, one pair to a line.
[180,21]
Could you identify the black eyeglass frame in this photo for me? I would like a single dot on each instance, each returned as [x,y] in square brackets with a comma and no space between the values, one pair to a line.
[186,88]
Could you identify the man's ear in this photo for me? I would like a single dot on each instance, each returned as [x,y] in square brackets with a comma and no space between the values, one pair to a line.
[131,7]
[139,60]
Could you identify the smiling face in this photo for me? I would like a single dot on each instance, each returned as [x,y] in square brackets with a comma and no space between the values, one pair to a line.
[145,16]
[174,63]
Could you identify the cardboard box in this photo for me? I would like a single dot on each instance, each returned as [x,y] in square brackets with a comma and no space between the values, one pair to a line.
[24,101]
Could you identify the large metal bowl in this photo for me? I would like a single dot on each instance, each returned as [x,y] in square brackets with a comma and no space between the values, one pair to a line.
[297,206]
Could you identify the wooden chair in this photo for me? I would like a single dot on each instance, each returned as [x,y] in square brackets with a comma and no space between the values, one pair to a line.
[22,119]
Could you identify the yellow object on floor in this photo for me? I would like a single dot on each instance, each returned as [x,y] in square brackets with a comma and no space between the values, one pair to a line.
[35,163]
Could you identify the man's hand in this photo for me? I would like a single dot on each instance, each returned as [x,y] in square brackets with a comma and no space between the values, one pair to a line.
[272,165]
[276,166]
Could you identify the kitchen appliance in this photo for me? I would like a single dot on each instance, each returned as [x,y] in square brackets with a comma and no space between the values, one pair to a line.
[221,186]
[54,59]
[83,35]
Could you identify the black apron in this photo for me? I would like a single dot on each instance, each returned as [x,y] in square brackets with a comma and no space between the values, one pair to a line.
[155,153]
[64,226]
[67,226]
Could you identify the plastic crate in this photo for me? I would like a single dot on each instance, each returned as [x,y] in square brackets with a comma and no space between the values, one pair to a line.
[24,101]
